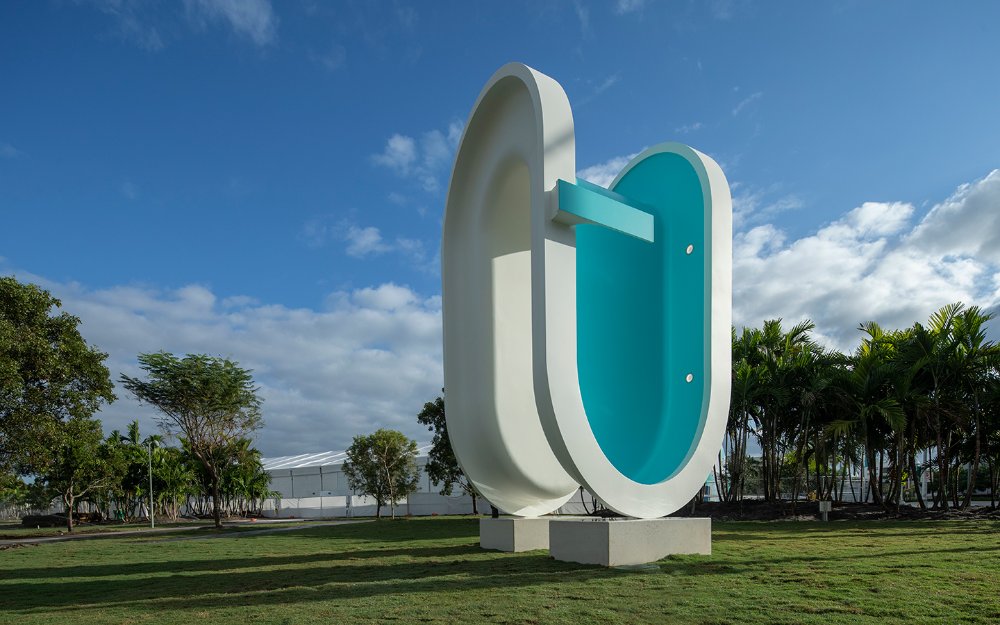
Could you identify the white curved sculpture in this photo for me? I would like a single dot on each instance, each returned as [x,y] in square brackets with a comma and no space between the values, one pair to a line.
[586,332]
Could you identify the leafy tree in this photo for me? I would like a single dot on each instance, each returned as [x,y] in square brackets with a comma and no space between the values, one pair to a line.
[15,495]
[245,484]
[209,402]
[873,410]
[928,391]
[383,465]
[48,375]
[174,479]
[442,465]
[131,452]
[78,465]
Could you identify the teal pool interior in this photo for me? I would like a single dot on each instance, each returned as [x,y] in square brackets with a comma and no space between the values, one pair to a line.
[641,323]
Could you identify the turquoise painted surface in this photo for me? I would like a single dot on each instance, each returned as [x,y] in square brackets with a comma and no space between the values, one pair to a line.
[605,208]
[641,323]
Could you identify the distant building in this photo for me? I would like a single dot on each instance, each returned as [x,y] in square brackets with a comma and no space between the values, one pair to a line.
[314,486]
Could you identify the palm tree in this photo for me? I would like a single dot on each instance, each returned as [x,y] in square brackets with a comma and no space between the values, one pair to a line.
[934,355]
[975,360]
[746,397]
[874,413]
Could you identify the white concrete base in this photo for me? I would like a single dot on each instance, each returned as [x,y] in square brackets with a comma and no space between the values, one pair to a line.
[621,542]
[514,534]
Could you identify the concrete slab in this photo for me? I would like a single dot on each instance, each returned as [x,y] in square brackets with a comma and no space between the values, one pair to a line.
[514,534]
[624,542]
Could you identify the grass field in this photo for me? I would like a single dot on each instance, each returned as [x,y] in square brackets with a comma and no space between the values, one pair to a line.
[16,531]
[431,570]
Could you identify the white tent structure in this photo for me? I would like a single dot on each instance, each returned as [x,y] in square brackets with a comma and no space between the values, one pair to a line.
[314,486]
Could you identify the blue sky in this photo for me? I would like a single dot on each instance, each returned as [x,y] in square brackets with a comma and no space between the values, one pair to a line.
[265,180]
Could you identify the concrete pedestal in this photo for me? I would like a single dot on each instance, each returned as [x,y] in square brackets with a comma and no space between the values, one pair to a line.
[620,542]
[514,534]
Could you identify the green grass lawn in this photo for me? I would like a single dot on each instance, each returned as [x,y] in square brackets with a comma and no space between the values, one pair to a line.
[17,531]
[432,570]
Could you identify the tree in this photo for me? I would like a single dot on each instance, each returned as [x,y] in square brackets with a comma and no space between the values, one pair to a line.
[245,484]
[442,465]
[77,466]
[872,408]
[976,360]
[174,480]
[130,490]
[48,375]
[210,402]
[382,465]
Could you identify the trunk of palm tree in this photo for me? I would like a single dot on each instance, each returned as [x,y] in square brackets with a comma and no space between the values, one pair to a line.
[956,474]
[874,480]
[916,477]
[899,471]
[942,461]
[216,502]
[994,482]
[974,470]
[717,475]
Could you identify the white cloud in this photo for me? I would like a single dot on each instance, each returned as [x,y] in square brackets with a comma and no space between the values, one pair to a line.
[388,296]
[872,264]
[436,149]
[966,224]
[629,6]
[879,218]
[423,161]
[131,26]
[599,89]
[603,174]
[606,84]
[688,128]
[455,129]
[370,360]
[747,101]
[399,155]
[318,231]
[754,206]
[363,242]
[134,20]
[254,19]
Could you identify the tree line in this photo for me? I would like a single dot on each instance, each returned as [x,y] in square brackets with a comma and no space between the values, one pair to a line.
[805,420]
[51,384]
[124,476]
[905,402]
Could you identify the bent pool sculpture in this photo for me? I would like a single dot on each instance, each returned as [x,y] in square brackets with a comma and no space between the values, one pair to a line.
[586,330]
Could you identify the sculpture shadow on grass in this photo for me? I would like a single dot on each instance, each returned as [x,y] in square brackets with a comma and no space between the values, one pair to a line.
[352,574]
[264,581]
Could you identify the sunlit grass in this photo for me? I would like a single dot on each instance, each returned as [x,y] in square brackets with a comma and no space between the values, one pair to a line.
[432,570]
